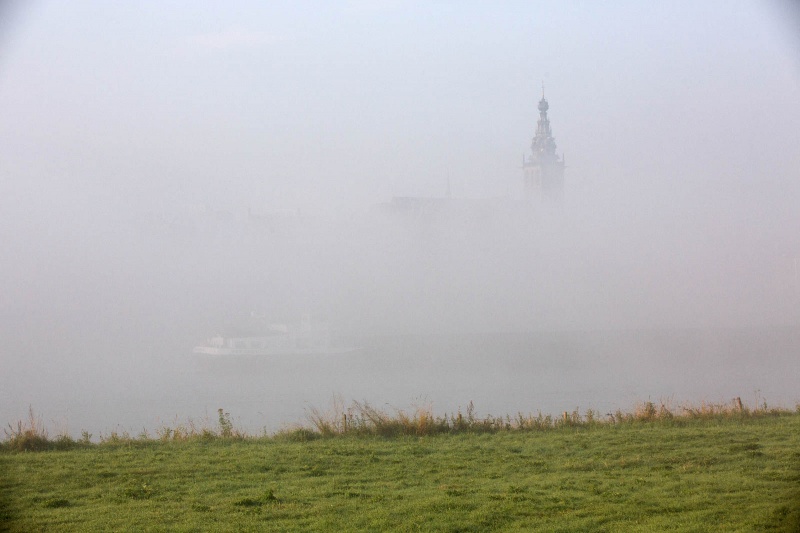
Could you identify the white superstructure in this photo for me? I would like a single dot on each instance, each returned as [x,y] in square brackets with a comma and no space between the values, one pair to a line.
[259,338]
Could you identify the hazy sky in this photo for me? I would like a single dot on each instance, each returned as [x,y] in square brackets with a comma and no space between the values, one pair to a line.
[679,121]
[319,105]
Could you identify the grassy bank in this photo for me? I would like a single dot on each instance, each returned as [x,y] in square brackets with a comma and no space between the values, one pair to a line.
[357,469]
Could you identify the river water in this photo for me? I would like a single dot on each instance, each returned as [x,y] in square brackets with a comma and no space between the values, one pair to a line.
[148,386]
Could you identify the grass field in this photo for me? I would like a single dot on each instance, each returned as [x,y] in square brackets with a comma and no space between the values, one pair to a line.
[722,472]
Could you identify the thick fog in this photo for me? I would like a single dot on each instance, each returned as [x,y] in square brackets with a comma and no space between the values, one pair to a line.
[167,170]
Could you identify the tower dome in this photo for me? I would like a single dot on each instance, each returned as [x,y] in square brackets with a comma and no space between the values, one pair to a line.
[543,105]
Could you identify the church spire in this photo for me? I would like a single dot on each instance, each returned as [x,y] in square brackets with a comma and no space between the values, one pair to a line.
[543,144]
[543,169]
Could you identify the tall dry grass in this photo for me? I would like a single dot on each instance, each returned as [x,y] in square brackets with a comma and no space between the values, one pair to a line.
[364,419]
[361,418]
[32,435]
[28,435]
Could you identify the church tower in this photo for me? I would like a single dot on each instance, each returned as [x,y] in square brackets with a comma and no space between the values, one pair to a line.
[543,170]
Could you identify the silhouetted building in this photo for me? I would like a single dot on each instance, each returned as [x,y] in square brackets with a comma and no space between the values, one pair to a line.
[543,170]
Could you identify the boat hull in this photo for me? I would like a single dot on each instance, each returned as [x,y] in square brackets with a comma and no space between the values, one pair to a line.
[256,352]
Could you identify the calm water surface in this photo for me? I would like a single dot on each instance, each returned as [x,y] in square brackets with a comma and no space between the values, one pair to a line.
[149,386]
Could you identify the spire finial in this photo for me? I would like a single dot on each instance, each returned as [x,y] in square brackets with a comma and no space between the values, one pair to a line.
[542,88]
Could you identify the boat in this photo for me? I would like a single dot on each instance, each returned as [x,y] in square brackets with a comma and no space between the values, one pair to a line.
[260,338]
